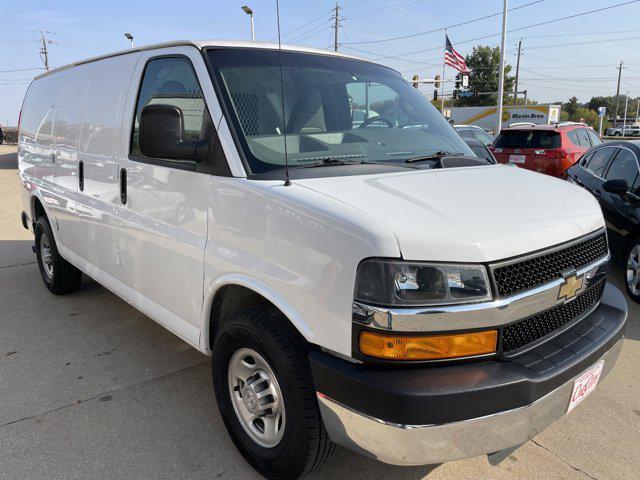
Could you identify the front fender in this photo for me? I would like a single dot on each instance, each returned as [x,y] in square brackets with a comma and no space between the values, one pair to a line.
[262,289]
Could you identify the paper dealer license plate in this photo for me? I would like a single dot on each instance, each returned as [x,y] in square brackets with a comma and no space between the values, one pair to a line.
[517,158]
[585,384]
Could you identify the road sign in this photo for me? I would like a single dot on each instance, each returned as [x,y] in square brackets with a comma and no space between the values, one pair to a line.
[602,111]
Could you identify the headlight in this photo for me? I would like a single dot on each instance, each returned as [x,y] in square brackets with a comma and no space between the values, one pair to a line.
[399,283]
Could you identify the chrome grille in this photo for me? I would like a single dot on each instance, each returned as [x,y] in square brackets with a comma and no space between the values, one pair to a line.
[518,276]
[519,334]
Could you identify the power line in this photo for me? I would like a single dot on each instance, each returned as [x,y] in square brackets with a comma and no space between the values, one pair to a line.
[385,9]
[304,25]
[391,57]
[389,39]
[547,22]
[21,70]
[308,33]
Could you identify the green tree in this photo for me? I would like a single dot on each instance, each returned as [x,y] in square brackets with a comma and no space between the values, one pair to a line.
[571,107]
[484,63]
[587,116]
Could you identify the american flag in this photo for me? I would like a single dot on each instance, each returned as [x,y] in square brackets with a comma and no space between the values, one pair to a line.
[453,58]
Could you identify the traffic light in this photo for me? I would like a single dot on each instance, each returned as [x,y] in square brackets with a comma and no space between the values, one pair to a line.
[475,94]
[415,81]
[436,81]
[435,94]
[455,94]
[458,81]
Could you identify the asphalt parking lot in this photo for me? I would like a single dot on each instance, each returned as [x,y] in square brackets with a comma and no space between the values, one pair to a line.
[91,388]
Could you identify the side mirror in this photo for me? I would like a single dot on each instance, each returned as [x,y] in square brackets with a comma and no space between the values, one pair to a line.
[161,134]
[616,187]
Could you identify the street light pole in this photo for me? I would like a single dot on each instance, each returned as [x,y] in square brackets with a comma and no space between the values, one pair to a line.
[249,12]
[503,47]
[626,107]
[129,37]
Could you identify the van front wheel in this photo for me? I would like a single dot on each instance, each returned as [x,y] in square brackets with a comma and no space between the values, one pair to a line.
[266,397]
[59,276]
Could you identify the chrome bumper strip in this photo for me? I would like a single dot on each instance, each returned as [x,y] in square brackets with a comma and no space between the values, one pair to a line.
[495,313]
[430,444]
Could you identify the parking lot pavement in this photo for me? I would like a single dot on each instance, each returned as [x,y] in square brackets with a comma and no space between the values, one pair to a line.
[91,388]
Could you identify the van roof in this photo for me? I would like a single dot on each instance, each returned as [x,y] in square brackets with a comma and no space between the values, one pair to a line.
[202,44]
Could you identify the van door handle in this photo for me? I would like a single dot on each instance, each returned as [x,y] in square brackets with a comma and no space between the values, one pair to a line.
[123,186]
[81,175]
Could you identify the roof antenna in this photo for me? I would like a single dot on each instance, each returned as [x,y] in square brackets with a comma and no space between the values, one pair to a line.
[287,181]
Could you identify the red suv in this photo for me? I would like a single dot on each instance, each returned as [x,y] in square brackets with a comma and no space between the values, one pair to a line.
[549,149]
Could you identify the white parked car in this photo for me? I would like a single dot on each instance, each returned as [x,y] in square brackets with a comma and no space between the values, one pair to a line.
[624,131]
[368,283]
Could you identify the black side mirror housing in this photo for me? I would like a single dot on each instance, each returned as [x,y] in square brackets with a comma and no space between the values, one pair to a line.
[161,134]
[616,187]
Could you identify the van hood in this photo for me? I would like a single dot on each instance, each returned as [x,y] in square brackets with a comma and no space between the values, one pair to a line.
[475,214]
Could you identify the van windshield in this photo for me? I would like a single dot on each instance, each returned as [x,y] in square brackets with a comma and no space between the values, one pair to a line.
[336,110]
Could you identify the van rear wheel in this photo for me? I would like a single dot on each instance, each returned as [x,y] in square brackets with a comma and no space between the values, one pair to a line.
[58,275]
[265,394]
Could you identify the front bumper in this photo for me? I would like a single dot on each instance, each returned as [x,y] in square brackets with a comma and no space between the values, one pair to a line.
[426,415]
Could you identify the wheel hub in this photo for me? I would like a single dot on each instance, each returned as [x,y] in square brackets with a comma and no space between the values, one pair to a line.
[256,397]
[46,255]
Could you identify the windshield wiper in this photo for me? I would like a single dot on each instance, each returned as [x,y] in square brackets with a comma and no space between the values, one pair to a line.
[434,156]
[333,161]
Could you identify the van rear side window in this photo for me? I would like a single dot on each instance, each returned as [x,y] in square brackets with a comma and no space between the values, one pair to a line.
[172,81]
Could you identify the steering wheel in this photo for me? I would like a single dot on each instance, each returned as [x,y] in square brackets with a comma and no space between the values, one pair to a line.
[377,118]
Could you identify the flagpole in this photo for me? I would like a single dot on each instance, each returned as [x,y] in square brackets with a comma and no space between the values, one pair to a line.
[443,67]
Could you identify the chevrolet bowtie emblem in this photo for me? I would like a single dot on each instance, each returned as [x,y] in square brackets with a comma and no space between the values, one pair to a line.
[571,286]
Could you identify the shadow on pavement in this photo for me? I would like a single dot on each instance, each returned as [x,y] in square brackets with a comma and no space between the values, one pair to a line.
[9,161]
[16,252]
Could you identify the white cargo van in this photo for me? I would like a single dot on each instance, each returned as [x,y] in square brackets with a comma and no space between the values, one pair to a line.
[359,278]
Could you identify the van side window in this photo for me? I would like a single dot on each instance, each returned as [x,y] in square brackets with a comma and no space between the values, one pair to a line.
[172,81]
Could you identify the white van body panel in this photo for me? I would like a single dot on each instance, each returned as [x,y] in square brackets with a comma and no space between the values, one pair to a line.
[494,212]
[298,248]
[163,230]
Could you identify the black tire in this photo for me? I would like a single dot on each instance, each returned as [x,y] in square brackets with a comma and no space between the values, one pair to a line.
[634,246]
[305,445]
[59,276]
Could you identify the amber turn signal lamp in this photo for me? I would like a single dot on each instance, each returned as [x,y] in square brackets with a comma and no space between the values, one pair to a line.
[427,347]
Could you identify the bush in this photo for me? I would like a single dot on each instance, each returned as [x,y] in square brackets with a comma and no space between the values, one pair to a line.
[10,135]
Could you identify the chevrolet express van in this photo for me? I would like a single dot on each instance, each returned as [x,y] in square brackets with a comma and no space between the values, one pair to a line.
[358,279]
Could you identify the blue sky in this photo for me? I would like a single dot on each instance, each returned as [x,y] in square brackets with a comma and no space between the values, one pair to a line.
[572,57]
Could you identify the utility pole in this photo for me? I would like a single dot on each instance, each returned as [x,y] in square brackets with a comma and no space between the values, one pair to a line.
[44,52]
[503,47]
[515,90]
[336,25]
[615,115]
